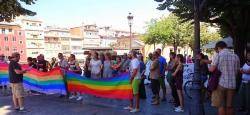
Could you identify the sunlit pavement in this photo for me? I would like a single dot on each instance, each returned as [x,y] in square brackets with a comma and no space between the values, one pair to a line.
[53,105]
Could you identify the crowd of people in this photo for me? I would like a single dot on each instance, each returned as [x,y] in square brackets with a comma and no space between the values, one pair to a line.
[152,71]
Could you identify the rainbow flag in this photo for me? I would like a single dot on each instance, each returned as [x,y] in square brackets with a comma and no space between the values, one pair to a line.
[4,77]
[45,82]
[116,87]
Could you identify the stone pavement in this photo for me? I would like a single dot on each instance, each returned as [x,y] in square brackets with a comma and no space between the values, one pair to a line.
[53,105]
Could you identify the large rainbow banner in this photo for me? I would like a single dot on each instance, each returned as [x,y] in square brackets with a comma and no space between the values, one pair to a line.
[116,87]
[45,82]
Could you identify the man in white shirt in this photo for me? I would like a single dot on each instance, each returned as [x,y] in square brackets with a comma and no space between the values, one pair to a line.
[135,79]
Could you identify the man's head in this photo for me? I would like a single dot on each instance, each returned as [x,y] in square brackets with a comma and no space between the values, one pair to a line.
[29,60]
[158,51]
[60,56]
[72,57]
[155,55]
[41,57]
[172,55]
[15,56]
[132,54]
[220,45]
[125,56]
[1,57]
[150,56]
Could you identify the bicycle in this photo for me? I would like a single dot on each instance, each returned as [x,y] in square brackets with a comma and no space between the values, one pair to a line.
[189,85]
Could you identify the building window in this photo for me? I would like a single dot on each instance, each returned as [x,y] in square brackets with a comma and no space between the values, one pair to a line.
[40,24]
[7,48]
[35,36]
[34,52]
[14,38]
[33,24]
[27,23]
[21,52]
[6,38]
[20,33]
[20,42]
[10,30]
[14,50]
[3,30]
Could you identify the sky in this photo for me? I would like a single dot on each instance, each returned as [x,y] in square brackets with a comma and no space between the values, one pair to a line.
[70,13]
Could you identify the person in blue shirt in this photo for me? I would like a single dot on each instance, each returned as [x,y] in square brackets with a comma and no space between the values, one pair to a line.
[163,63]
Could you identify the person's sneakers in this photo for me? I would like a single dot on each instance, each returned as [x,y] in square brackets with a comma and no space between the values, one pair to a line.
[16,109]
[128,108]
[134,111]
[179,109]
[22,110]
[72,97]
[79,98]
[156,102]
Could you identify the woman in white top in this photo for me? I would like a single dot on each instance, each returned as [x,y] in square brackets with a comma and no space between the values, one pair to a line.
[147,70]
[244,92]
[95,66]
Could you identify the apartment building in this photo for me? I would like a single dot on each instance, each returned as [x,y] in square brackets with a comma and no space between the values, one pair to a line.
[12,39]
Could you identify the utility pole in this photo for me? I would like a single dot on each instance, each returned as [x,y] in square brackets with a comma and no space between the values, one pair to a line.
[196,107]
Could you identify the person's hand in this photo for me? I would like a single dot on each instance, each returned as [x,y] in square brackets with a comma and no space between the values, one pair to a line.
[173,74]
[131,80]
[241,71]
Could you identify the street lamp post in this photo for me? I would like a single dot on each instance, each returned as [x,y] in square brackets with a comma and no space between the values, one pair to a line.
[197,106]
[130,22]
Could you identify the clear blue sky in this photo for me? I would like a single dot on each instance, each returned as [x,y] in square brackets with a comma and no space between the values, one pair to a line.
[68,13]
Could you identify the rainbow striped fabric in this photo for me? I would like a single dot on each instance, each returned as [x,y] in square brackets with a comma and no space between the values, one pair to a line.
[52,82]
[45,82]
[116,87]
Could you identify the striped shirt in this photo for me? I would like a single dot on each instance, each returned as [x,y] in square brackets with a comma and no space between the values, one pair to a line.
[229,65]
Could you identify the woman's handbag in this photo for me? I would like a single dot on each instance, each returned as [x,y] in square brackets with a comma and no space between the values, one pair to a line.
[214,80]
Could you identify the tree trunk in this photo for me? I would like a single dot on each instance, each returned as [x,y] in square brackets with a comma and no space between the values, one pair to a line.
[175,46]
[154,46]
[163,47]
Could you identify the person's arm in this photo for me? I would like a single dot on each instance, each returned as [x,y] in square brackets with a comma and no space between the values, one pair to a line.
[214,64]
[134,72]
[18,69]
[246,71]
[177,69]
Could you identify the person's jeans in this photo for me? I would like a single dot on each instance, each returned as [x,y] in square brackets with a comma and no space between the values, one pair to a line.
[244,94]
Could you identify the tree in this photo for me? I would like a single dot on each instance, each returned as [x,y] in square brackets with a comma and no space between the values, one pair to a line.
[232,16]
[166,31]
[9,9]
[173,31]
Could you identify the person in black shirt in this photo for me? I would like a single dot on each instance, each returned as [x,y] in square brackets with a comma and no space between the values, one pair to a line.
[42,64]
[16,80]
[31,63]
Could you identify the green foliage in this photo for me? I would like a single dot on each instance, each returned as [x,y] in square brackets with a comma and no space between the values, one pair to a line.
[10,9]
[232,16]
[173,31]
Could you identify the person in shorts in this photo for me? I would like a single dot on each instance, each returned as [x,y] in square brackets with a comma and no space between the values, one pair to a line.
[16,81]
[135,79]
[229,65]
